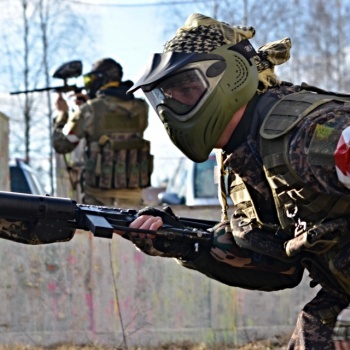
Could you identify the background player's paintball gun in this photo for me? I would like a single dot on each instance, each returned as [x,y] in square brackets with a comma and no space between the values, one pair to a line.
[71,69]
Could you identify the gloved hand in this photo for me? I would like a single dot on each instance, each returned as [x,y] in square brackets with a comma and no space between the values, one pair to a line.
[158,246]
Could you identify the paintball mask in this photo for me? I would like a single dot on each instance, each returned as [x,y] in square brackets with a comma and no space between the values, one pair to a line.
[103,71]
[207,72]
[196,94]
[93,81]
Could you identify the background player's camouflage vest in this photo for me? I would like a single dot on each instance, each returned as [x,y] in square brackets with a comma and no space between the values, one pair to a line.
[118,156]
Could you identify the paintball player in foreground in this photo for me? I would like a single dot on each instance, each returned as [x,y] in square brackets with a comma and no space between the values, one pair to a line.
[118,163]
[284,149]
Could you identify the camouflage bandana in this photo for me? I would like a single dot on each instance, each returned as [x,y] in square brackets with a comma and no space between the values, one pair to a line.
[203,34]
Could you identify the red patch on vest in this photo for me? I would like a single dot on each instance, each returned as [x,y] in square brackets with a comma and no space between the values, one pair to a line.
[342,156]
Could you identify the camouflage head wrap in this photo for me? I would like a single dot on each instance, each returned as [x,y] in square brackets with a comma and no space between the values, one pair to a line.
[204,34]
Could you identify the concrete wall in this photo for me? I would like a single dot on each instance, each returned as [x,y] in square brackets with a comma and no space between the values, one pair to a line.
[94,290]
[99,291]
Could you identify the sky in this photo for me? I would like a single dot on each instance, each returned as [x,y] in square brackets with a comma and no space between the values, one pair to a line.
[129,31]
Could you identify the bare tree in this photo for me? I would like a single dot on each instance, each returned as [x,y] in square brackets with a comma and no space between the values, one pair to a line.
[50,31]
[27,110]
[326,36]
[44,15]
[319,31]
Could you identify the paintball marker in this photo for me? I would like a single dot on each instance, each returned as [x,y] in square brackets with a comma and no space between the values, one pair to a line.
[71,69]
[34,219]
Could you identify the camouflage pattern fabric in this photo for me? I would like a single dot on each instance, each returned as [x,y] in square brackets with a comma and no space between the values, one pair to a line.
[244,164]
[227,263]
[319,134]
[120,179]
[316,321]
[314,141]
[33,233]
[133,169]
[317,137]
[17,231]
[106,176]
[90,165]
[146,164]
[225,249]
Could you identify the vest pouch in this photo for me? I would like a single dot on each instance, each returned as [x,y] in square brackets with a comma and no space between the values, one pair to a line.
[133,172]
[105,180]
[122,144]
[120,168]
[133,163]
[90,165]
[146,165]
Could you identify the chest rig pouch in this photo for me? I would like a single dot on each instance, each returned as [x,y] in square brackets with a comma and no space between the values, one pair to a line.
[118,155]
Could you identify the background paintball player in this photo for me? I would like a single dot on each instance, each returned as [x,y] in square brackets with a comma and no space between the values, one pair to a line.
[284,148]
[118,163]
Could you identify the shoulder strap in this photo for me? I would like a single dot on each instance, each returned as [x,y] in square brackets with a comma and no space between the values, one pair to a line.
[221,174]
[289,110]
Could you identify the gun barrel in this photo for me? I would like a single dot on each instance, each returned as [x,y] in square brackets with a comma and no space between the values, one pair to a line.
[63,88]
[34,90]
[21,206]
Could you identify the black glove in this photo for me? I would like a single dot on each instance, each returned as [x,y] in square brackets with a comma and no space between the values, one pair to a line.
[167,215]
[159,246]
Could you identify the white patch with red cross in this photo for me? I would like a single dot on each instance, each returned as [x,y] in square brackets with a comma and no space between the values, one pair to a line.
[342,158]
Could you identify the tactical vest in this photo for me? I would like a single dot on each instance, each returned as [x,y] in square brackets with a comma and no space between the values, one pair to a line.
[292,199]
[118,156]
[300,209]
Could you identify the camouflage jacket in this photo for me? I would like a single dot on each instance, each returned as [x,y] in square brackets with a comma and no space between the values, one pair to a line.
[263,245]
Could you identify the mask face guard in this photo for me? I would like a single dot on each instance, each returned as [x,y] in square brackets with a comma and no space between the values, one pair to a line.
[196,131]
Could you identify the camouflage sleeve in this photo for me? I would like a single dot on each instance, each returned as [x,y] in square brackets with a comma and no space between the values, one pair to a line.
[33,233]
[313,144]
[315,324]
[226,262]
[61,144]
[65,136]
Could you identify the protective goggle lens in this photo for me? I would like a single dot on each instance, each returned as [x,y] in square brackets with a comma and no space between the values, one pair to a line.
[88,80]
[184,90]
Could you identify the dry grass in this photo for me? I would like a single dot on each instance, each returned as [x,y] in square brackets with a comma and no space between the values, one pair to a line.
[271,344]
